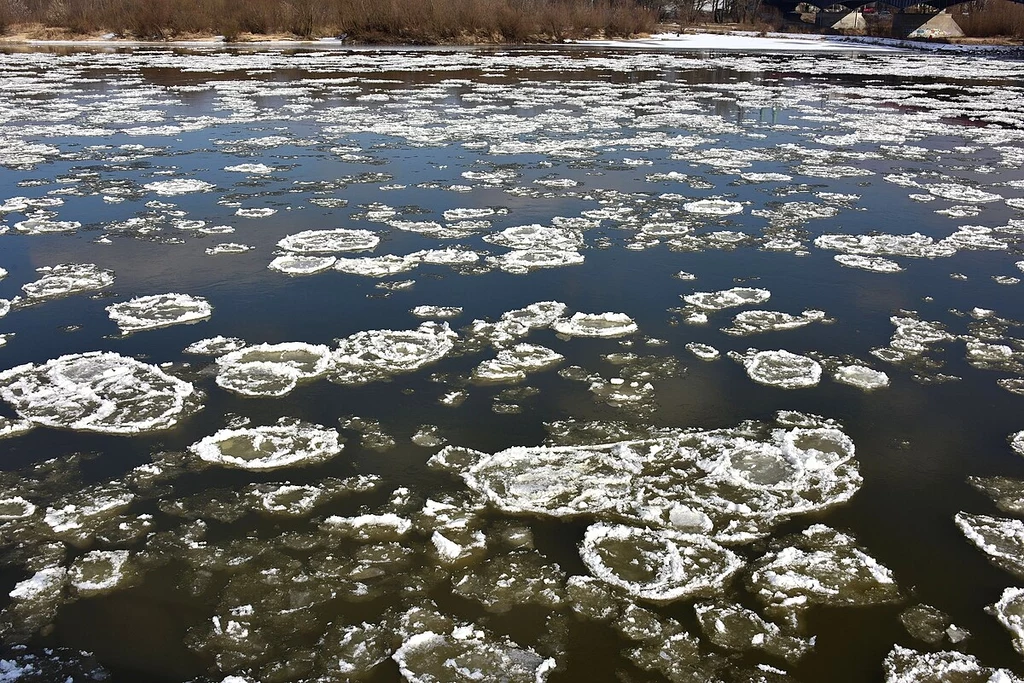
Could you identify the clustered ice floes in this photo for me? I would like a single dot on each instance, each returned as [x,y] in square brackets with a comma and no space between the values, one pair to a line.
[671,515]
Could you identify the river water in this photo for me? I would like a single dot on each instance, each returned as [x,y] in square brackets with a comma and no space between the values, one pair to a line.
[566,364]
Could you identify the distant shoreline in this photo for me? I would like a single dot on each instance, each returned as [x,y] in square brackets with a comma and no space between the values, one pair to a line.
[690,38]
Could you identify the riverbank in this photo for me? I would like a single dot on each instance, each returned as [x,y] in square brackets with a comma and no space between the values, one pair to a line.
[689,39]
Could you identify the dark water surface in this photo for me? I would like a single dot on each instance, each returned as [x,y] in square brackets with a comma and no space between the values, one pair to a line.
[860,143]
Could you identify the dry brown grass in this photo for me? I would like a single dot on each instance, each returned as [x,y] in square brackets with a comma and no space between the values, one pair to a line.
[403,21]
[990,18]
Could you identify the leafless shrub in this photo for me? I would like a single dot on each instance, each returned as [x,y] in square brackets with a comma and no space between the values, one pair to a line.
[421,21]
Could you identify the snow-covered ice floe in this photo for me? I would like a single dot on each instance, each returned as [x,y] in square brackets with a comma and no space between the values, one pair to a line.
[1001,538]
[779,368]
[376,354]
[329,241]
[272,369]
[732,484]
[66,279]
[267,448]
[903,665]
[596,325]
[466,654]
[98,392]
[659,565]
[159,310]
[178,186]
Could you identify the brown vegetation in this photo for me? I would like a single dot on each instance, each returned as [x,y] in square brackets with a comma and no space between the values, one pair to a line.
[990,18]
[403,21]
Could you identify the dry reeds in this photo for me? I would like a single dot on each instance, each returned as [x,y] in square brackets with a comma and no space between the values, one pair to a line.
[401,21]
[990,18]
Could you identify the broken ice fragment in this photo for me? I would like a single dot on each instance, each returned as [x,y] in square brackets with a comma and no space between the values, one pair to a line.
[925,623]
[35,601]
[352,652]
[160,310]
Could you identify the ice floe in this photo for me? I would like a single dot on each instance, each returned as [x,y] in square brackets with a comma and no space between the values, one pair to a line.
[861,376]
[779,368]
[272,369]
[468,654]
[168,188]
[299,264]
[903,665]
[819,566]
[659,565]
[376,354]
[962,193]
[713,207]
[1001,538]
[66,279]
[267,448]
[755,322]
[99,571]
[99,392]
[506,581]
[1006,493]
[736,628]
[734,484]
[159,310]
[705,352]
[513,364]
[728,298]
[875,264]
[376,266]
[215,346]
[329,241]
[596,325]
[914,245]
